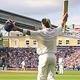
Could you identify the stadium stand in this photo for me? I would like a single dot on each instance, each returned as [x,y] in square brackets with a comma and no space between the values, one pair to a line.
[14,56]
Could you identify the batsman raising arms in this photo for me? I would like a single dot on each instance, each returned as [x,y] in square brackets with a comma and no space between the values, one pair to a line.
[46,45]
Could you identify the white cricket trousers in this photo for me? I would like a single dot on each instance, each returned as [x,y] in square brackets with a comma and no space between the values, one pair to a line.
[46,66]
[61,69]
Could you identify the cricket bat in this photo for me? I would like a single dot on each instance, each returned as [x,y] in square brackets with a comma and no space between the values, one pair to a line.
[65,10]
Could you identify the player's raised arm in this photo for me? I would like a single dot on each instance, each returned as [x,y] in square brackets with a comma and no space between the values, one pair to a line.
[64,19]
[10,26]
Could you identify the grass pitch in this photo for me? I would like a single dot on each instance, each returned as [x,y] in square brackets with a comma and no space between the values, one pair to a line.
[31,75]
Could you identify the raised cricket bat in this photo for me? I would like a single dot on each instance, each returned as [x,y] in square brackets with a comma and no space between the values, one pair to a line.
[65,10]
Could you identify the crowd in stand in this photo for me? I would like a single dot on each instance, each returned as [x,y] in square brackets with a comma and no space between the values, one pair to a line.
[71,57]
[73,60]
[14,57]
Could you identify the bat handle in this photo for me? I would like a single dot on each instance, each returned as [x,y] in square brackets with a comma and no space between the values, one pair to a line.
[65,27]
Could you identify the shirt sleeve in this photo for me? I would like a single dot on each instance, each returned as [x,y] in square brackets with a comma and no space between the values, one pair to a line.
[58,31]
[33,34]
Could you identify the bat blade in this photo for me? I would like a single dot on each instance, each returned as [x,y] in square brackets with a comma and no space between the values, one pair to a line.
[65,10]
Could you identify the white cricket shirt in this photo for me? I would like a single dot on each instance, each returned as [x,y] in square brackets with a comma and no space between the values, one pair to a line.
[46,39]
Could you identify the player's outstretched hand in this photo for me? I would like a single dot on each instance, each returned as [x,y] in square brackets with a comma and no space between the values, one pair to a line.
[64,19]
[9,25]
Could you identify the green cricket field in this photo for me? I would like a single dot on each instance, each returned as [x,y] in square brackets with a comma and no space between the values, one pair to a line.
[31,75]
